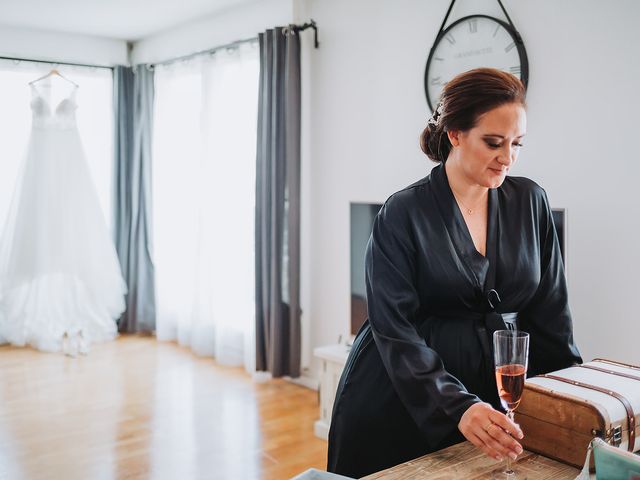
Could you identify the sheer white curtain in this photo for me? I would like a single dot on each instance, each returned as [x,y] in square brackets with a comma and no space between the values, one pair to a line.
[203,203]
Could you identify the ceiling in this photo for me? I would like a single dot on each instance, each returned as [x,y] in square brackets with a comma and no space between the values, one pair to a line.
[120,19]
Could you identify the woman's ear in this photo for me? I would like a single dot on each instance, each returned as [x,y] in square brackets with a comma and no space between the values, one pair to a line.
[454,137]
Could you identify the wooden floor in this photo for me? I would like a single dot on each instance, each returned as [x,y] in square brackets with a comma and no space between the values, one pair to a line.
[137,409]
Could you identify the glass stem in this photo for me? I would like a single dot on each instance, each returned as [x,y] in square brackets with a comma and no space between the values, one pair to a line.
[509,471]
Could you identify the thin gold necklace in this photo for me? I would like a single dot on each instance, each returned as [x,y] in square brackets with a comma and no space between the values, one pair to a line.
[469,211]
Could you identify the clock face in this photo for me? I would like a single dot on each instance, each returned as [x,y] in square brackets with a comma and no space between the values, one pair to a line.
[473,42]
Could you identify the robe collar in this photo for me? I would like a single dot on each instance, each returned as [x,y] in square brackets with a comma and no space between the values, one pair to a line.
[482,268]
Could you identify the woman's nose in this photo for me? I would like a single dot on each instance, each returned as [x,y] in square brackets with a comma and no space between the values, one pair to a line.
[508,156]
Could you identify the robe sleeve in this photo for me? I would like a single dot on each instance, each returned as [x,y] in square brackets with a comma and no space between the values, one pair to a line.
[435,399]
[547,317]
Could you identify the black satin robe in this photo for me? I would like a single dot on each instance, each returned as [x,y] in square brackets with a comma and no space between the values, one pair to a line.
[425,353]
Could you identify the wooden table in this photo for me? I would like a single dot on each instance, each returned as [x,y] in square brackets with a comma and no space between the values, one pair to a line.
[464,461]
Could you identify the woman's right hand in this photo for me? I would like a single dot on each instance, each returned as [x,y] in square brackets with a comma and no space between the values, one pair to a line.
[491,431]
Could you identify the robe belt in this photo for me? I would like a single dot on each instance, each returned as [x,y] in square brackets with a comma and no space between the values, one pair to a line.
[485,326]
[491,322]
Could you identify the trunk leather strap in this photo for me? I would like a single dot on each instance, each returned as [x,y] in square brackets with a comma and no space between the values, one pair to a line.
[631,418]
[620,364]
[611,372]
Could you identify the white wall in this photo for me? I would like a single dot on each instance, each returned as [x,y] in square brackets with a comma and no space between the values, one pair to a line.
[366,109]
[239,23]
[61,47]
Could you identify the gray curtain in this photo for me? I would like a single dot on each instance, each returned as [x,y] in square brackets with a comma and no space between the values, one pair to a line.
[133,106]
[278,205]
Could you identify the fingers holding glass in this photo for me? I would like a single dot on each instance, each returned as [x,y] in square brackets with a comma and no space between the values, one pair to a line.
[499,440]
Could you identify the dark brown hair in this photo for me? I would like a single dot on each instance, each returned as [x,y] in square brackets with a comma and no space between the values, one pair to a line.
[464,99]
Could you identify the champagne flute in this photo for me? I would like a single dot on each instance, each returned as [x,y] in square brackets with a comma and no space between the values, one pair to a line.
[511,354]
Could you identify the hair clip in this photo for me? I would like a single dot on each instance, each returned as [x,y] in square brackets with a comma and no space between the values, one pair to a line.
[434,119]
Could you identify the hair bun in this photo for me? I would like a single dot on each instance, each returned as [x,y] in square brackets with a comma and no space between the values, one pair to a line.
[430,142]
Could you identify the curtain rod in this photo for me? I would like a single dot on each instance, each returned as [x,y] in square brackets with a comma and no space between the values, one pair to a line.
[50,62]
[203,52]
[295,28]
[304,26]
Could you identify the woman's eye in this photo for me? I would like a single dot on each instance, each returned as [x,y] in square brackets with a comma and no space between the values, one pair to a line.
[497,145]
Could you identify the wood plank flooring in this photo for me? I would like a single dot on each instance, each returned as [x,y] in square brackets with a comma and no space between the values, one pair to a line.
[136,408]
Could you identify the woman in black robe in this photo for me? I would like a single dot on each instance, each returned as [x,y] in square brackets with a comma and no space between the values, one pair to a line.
[451,259]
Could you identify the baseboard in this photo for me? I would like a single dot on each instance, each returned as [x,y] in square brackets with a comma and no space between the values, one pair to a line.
[305,381]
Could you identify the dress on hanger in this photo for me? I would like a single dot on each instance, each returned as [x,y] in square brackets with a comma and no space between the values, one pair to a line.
[60,278]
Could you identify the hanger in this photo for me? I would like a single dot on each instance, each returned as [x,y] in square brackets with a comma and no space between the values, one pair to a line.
[52,73]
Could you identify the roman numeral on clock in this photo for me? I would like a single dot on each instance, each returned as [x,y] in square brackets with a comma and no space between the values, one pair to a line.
[473,25]
[450,39]
[509,47]
[515,70]
[435,81]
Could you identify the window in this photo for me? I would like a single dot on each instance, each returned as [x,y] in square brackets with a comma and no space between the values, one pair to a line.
[204,156]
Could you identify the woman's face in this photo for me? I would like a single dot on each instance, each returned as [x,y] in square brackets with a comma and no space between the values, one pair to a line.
[486,152]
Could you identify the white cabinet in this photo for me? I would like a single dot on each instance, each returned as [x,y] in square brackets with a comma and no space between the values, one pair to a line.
[333,358]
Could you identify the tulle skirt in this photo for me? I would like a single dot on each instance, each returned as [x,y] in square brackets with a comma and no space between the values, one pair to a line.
[59,271]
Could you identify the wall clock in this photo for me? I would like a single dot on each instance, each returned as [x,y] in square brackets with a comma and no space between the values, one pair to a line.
[471,42]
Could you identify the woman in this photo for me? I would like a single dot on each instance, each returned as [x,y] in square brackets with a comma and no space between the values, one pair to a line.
[450,259]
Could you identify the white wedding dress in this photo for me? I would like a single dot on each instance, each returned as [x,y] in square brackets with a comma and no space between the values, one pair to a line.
[60,278]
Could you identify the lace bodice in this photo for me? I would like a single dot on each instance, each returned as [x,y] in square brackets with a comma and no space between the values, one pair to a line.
[45,115]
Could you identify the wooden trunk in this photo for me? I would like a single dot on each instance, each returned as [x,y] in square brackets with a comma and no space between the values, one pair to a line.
[561,412]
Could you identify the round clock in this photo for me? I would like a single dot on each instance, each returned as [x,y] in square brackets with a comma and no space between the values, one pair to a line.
[472,42]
